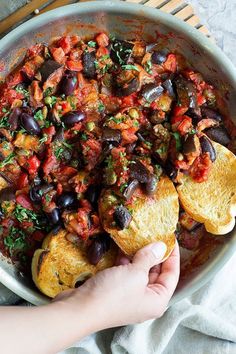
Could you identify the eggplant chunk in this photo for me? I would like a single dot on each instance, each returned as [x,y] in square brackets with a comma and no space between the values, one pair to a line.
[159,57]
[139,171]
[48,68]
[130,189]
[191,144]
[7,194]
[219,135]
[211,113]
[88,60]
[207,146]
[112,136]
[151,92]
[186,92]
[168,86]
[121,51]
[128,88]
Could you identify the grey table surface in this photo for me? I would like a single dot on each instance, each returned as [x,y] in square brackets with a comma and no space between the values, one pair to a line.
[217,15]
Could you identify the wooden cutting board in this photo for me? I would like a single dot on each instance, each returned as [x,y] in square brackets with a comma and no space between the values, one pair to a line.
[178,8]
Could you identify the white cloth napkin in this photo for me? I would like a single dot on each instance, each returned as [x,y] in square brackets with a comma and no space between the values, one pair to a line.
[204,323]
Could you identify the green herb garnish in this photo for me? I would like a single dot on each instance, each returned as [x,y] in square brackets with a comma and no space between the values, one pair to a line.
[39,115]
[148,67]
[8,160]
[92,44]
[20,89]
[177,137]
[129,67]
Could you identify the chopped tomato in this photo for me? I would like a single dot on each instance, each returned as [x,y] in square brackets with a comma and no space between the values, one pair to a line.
[200,168]
[101,52]
[23,181]
[24,201]
[74,65]
[129,101]
[129,136]
[184,127]
[59,188]
[38,235]
[102,40]
[179,110]
[58,54]
[49,132]
[200,99]
[50,163]
[32,165]
[65,44]
[171,63]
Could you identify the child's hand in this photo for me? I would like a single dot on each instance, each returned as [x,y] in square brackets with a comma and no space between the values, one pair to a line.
[131,292]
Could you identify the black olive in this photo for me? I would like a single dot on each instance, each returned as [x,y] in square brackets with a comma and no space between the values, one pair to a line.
[130,189]
[121,51]
[54,216]
[128,88]
[97,249]
[207,146]
[151,185]
[105,152]
[93,193]
[68,84]
[48,68]
[151,92]
[88,60]
[159,57]
[36,192]
[66,200]
[211,113]
[112,136]
[30,124]
[219,135]
[122,217]
[171,171]
[1,214]
[37,180]
[139,171]
[73,117]
[13,118]
[56,228]
[7,194]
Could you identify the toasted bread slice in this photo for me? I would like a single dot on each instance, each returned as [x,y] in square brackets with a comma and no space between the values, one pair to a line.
[60,264]
[153,219]
[213,202]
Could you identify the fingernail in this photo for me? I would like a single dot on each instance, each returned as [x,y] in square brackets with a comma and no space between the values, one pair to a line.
[159,250]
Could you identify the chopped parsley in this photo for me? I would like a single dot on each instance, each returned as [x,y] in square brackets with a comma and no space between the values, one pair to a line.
[8,160]
[16,240]
[101,107]
[23,214]
[177,137]
[20,89]
[59,151]
[48,198]
[148,67]
[43,139]
[117,120]
[193,131]
[161,150]
[92,44]
[84,137]
[39,115]
[4,122]
[48,91]
[129,67]
[4,110]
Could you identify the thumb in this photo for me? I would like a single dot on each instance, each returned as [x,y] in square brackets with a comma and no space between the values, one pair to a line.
[150,255]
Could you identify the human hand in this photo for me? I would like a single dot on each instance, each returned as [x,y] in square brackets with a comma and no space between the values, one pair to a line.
[129,293]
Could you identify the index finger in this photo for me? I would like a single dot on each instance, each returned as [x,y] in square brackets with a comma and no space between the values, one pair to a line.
[169,275]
